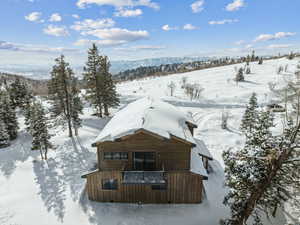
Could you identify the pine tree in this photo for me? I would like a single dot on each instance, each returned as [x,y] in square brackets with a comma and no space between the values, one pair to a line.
[240,75]
[60,95]
[94,80]
[19,93]
[109,93]
[250,116]
[4,136]
[262,176]
[8,115]
[39,130]
[101,89]
[77,106]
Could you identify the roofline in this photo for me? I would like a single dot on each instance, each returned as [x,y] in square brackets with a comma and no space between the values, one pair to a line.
[192,124]
[150,133]
[210,158]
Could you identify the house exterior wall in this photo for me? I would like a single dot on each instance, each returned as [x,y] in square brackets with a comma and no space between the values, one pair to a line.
[182,187]
[170,154]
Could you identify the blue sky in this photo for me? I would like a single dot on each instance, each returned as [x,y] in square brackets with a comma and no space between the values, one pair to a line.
[33,32]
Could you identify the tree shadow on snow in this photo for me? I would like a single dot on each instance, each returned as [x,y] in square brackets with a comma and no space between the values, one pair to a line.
[18,151]
[52,186]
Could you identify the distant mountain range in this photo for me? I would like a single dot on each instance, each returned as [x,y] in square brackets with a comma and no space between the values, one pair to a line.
[42,72]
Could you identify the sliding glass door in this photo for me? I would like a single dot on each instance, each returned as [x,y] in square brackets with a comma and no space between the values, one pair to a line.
[144,161]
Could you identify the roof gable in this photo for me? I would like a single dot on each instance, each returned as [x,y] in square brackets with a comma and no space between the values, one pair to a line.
[154,116]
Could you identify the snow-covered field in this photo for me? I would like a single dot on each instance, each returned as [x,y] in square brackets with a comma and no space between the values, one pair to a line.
[34,192]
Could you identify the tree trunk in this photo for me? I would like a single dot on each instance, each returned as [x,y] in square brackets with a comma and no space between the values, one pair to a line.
[46,153]
[76,131]
[41,154]
[106,113]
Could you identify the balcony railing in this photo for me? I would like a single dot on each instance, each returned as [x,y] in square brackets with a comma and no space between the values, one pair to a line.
[144,177]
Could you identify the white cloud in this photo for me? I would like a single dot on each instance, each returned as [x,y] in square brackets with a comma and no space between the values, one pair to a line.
[103,43]
[118,34]
[197,6]
[112,36]
[56,30]
[278,35]
[166,27]
[128,12]
[119,3]
[279,46]
[34,17]
[76,16]
[249,46]
[89,24]
[4,45]
[55,17]
[141,48]
[221,22]
[235,5]
[240,42]
[189,26]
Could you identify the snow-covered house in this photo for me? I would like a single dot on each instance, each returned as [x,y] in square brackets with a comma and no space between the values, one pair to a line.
[147,153]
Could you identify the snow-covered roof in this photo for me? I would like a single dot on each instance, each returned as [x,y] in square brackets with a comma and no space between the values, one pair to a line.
[202,149]
[197,164]
[149,114]
[157,117]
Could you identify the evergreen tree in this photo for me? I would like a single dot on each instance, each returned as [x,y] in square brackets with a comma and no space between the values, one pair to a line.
[19,93]
[101,89]
[4,136]
[253,56]
[262,175]
[240,75]
[251,115]
[94,80]
[8,115]
[260,62]
[77,106]
[39,130]
[60,93]
[109,93]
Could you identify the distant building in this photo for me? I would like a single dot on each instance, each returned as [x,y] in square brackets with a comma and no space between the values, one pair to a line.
[147,154]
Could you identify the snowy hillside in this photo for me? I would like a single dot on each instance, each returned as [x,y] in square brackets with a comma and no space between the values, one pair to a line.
[34,192]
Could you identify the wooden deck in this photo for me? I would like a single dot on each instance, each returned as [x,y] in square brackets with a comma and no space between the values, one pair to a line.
[182,187]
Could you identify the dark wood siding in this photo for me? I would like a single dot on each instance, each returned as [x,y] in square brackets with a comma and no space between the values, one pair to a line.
[170,153]
[182,187]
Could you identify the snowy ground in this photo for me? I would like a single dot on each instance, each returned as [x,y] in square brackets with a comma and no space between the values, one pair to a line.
[34,192]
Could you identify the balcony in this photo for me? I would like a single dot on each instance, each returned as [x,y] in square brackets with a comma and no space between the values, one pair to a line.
[143,177]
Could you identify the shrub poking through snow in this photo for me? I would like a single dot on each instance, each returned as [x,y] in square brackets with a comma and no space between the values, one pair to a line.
[171,87]
[248,70]
[224,119]
[193,91]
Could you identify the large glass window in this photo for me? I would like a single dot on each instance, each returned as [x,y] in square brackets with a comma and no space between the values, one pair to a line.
[115,155]
[109,184]
[144,161]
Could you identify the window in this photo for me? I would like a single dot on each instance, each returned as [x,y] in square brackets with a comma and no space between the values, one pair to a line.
[110,184]
[159,187]
[115,155]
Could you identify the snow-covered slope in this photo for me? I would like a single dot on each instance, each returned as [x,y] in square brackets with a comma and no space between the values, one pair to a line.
[33,192]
